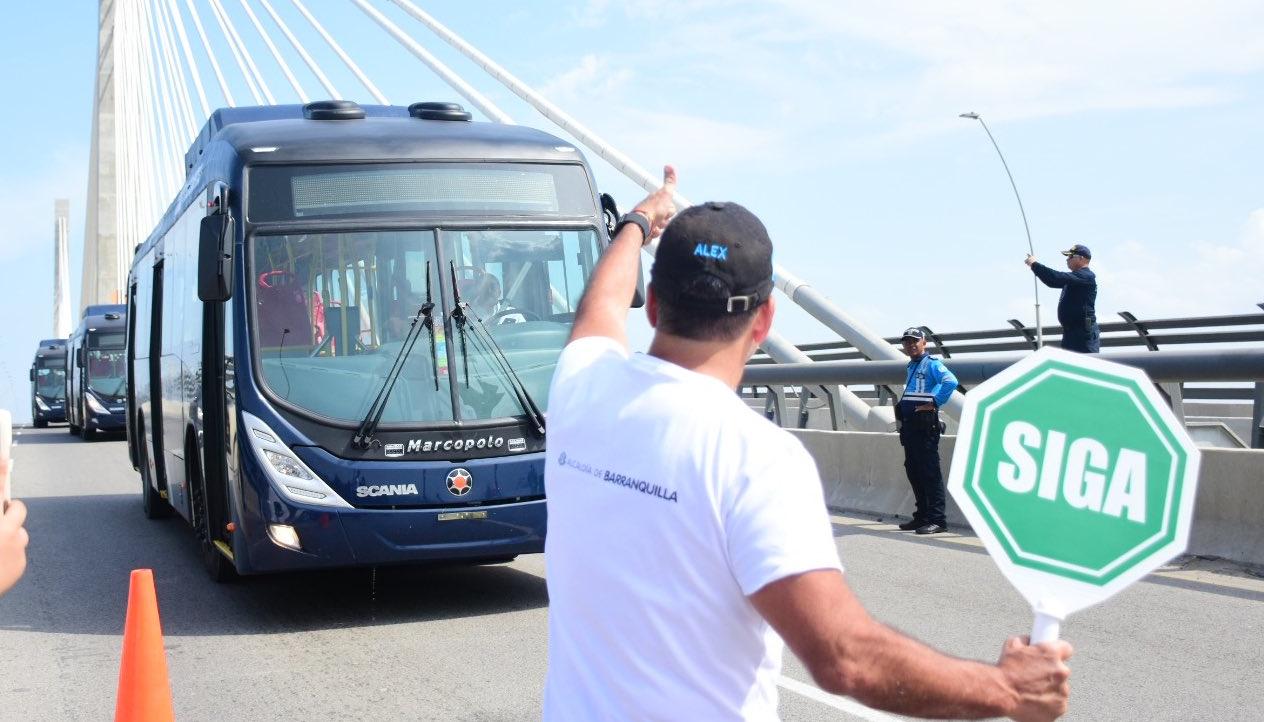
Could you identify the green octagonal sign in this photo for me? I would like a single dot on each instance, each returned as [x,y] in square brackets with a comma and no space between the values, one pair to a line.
[1077,477]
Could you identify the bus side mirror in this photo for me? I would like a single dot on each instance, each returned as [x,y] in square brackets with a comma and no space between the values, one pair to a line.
[610,214]
[215,258]
[81,357]
[32,374]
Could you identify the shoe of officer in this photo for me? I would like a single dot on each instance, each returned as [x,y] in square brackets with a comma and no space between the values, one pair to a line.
[912,524]
[931,529]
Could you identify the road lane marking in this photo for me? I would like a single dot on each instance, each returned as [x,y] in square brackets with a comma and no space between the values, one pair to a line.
[832,700]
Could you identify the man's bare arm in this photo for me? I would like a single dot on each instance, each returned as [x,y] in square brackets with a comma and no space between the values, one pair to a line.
[603,311]
[850,653]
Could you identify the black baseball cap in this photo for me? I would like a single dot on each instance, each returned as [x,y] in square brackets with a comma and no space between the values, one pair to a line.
[1078,249]
[714,256]
[913,332]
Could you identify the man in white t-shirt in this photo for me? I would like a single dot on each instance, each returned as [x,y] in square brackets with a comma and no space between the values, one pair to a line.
[688,535]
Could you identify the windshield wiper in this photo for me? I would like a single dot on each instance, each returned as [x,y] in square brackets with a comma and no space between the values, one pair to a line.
[363,438]
[463,314]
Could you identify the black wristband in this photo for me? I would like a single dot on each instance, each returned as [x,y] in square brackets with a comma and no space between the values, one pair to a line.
[639,220]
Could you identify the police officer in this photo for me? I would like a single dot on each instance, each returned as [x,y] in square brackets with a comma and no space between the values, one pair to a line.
[1077,307]
[928,385]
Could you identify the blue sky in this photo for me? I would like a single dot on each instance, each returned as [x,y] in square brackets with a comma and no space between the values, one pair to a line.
[1132,127]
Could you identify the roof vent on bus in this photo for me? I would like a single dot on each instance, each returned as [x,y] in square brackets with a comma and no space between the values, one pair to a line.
[112,317]
[439,111]
[333,110]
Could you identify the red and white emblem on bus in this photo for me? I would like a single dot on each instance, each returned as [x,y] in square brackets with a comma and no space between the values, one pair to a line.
[460,482]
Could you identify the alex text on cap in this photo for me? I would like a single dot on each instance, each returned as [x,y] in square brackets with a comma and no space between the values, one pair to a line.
[716,257]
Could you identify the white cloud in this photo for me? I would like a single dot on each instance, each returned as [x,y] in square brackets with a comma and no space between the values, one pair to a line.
[1208,278]
[593,76]
[599,85]
[906,68]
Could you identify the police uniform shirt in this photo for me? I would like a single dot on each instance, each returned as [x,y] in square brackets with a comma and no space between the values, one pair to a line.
[670,502]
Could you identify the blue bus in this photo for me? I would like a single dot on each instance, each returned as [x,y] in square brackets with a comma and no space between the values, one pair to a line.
[341,334]
[95,379]
[48,382]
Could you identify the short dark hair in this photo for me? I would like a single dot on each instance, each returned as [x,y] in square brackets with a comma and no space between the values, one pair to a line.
[703,324]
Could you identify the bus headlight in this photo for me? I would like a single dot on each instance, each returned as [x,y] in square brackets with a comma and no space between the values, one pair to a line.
[95,406]
[288,474]
[40,403]
[287,465]
[284,535]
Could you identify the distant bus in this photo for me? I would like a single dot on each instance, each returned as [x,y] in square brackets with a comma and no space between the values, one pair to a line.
[96,378]
[48,382]
[343,330]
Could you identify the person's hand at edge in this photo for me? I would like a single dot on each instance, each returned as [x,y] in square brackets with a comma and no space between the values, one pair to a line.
[13,541]
[1038,675]
[1030,260]
[658,207]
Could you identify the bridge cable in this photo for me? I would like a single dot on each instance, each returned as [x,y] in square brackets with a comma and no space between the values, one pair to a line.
[160,109]
[342,55]
[775,345]
[206,46]
[621,162]
[230,35]
[123,159]
[173,12]
[302,52]
[795,288]
[465,89]
[276,54]
[147,141]
[175,74]
[169,102]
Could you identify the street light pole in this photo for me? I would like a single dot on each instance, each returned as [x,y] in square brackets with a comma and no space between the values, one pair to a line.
[1035,286]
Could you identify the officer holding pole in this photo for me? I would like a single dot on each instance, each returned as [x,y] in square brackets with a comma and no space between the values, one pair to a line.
[1077,306]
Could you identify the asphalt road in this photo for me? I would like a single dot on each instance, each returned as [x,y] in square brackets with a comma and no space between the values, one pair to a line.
[468,643]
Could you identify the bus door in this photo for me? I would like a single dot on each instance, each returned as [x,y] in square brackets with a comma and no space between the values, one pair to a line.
[132,439]
[155,423]
[216,425]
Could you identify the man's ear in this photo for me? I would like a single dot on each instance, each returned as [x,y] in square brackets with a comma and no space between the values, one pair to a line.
[651,307]
[763,322]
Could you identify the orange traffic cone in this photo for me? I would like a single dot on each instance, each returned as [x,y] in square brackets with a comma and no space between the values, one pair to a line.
[144,692]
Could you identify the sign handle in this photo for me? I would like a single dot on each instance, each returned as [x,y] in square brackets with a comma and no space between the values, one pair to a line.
[1045,628]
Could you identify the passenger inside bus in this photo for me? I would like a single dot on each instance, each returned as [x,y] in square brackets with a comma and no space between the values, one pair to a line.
[482,291]
[283,314]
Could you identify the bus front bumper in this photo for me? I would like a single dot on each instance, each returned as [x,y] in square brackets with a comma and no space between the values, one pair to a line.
[368,537]
[106,422]
[55,413]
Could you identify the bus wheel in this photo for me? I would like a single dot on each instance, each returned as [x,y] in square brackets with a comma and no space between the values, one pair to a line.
[86,434]
[217,565]
[74,430]
[155,506]
[41,424]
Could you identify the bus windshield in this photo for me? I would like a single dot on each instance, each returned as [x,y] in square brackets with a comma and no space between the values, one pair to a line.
[50,380]
[331,311]
[106,368]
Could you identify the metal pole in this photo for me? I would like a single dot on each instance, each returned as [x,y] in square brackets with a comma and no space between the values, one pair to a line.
[1031,249]
[1257,417]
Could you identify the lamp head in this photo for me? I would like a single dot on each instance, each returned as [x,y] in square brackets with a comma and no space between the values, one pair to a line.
[971,116]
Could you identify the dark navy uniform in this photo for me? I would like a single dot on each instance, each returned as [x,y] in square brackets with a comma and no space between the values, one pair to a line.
[1077,307]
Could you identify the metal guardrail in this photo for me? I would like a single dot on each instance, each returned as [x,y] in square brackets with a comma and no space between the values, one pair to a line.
[1152,334]
[1175,367]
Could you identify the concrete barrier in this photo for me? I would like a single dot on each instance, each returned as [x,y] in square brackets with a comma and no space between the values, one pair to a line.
[864,472]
